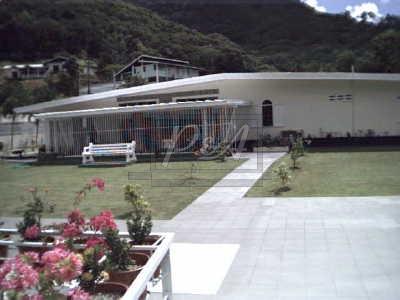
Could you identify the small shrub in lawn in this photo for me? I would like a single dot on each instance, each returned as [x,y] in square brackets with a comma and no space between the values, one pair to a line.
[283,173]
[297,151]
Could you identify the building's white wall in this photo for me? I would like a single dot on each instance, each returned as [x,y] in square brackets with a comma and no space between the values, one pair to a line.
[307,106]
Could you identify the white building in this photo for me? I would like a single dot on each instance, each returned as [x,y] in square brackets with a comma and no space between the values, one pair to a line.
[157,69]
[318,104]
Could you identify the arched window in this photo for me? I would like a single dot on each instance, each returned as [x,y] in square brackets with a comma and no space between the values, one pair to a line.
[268,118]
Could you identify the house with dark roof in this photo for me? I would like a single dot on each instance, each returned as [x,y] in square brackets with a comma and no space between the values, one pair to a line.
[157,69]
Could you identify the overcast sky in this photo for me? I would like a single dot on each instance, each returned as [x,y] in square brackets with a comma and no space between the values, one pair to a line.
[356,7]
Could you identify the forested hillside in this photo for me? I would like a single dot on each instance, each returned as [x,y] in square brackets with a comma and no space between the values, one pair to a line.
[291,36]
[112,32]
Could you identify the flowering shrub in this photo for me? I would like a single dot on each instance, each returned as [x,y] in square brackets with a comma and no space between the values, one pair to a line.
[71,231]
[95,182]
[18,275]
[27,277]
[32,233]
[103,221]
[76,217]
[61,265]
[95,241]
[99,183]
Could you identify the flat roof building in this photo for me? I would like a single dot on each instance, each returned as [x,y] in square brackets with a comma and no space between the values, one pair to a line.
[218,106]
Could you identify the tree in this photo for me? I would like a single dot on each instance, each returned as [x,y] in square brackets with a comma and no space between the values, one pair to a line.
[386,50]
[13,94]
[345,60]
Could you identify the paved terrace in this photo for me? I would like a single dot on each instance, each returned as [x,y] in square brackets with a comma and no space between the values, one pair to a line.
[291,248]
[295,248]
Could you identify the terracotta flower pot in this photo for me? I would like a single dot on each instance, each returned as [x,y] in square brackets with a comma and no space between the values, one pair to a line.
[113,288]
[125,277]
[151,239]
[139,257]
[149,254]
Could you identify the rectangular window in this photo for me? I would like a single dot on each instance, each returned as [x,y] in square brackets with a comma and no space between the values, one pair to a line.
[196,99]
[138,103]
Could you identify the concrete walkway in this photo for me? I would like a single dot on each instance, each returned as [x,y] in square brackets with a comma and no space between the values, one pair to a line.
[295,248]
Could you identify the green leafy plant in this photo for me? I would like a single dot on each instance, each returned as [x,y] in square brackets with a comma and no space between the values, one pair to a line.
[283,173]
[93,266]
[117,256]
[31,221]
[139,222]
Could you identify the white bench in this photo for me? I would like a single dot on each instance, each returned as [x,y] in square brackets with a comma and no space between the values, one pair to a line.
[93,150]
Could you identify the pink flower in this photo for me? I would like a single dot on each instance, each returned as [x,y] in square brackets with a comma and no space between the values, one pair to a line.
[79,294]
[17,275]
[32,233]
[71,230]
[98,243]
[36,297]
[77,217]
[95,241]
[99,183]
[30,258]
[104,221]
[61,265]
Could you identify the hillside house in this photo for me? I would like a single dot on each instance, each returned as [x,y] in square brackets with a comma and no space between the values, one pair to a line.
[43,70]
[157,69]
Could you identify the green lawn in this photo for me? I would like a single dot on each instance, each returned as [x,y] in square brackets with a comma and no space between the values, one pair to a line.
[347,172]
[169,190]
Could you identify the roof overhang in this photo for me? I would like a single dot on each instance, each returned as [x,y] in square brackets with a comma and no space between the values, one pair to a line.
[141,108]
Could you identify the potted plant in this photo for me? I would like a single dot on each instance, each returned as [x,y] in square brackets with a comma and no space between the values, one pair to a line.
[28,276]
[93,270]
[120,266]
[73,229]
[139,222]
[30,226]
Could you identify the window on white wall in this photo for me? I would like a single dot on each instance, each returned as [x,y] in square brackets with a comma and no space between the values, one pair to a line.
[279,115]
[267,113]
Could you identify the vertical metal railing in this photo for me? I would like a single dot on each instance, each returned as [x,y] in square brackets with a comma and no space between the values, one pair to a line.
[151,130]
